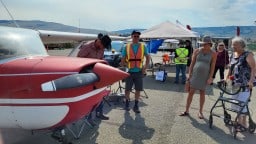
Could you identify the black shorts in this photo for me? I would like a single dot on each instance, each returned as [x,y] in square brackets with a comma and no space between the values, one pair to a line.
[135,78]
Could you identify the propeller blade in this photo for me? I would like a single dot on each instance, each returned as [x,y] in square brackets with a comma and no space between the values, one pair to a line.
[70,81]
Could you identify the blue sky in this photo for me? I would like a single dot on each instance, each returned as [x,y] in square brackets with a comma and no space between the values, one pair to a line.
[113,15]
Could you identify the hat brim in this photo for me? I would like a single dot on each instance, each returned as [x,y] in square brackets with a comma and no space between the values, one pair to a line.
[136,33]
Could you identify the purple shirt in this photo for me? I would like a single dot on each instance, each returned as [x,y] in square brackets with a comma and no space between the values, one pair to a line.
[222,58]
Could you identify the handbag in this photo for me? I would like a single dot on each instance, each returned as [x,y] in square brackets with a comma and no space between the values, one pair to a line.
[161,75]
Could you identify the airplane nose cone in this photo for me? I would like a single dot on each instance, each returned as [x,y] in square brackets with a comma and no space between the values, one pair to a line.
[108,74]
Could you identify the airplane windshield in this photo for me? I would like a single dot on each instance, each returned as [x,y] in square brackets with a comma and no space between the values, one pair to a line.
[15,42]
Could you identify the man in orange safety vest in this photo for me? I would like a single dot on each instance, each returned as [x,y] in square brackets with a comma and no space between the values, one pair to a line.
[133,57]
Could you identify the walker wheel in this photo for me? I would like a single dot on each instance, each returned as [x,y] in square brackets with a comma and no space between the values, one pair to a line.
[234,131]
[210,121]
[251,128]
[227,119]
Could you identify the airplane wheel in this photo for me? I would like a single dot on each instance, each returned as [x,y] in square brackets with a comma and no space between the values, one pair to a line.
[210,121]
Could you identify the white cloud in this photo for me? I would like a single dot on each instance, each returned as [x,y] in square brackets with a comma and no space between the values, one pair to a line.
[116,14]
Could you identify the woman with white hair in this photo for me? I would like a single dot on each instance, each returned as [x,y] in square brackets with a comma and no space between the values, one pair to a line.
[242,68]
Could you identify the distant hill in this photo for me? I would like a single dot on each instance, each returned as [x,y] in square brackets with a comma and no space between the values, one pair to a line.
[227,31]
[42,25]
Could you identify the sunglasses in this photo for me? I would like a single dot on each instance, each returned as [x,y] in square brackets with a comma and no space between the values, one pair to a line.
[136,36]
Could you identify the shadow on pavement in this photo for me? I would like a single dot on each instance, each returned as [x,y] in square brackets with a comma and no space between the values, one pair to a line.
[135,129]
[220,136]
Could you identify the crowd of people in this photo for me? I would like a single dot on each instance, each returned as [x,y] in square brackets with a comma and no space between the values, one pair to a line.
[206,62]
[198,68]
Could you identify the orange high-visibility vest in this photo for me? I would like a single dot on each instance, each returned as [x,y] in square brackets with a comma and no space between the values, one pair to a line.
[135,60]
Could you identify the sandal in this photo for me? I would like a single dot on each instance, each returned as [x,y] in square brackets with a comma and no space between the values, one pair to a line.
[200,116]
[184,114]
[240,128]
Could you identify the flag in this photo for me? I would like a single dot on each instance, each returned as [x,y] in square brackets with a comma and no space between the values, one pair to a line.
[238,31]
[188,27]
[153,45]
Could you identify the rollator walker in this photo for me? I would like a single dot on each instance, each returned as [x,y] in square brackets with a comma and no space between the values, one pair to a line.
[222,102]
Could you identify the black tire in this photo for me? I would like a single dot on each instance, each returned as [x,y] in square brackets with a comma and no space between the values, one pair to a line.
[235,134]
[227,119]
[210,121]
[234,131]
[251,128]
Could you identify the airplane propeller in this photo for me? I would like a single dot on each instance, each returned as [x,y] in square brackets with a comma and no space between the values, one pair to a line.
[70,81]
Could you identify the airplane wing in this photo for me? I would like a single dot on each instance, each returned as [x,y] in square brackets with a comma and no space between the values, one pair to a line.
[49,37]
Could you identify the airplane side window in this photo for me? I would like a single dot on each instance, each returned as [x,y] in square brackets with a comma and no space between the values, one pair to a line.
[4,53]
[6,50]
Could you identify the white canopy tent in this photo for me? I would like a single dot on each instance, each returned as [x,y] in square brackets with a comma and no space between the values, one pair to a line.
[167,30]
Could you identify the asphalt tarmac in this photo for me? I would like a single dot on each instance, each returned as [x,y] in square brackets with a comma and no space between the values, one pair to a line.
[158,123]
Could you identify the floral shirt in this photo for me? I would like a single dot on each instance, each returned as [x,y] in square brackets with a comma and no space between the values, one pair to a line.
[240,69]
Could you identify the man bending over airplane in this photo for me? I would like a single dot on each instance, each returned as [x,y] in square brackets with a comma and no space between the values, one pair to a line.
[95,49]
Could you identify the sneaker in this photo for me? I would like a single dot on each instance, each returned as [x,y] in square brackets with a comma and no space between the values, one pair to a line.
[136,109]
[102,117]
[127,105]
[127,108]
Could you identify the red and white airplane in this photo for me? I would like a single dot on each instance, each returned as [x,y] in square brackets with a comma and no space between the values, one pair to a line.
[39,91]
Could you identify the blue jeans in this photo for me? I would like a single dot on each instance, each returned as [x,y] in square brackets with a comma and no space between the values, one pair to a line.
[180,68]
